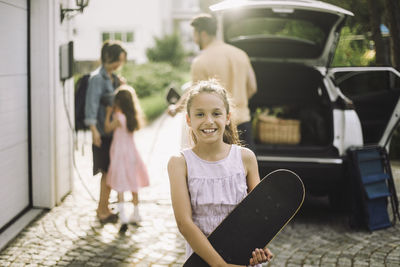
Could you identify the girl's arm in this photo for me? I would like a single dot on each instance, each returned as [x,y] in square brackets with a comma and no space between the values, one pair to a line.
[251,168]
[173,109]
[253,178]
[183,213]
[110,125]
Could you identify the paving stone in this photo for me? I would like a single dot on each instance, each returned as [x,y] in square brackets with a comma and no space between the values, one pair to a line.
[93,264]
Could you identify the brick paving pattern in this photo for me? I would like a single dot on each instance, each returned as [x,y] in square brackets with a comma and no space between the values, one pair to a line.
[70,235]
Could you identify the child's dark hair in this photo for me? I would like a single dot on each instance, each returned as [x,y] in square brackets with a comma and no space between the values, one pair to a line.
[205,22]
[111,50]
[212,86]
[127,101]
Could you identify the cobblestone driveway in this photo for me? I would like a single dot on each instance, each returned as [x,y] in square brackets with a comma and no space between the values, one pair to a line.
[69,235]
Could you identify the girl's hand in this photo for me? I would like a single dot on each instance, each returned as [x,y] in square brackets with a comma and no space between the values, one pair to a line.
[260,256]
[122,80]
[172,110]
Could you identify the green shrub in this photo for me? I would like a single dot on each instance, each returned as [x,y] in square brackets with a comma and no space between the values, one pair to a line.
[151,81]
[153,106]
[167,49]
[152,78]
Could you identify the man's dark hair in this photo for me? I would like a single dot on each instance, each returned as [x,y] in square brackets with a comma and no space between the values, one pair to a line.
[205,22]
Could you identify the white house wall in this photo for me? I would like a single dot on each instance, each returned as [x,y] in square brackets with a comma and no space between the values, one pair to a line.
[36,162]
[51,137]
[64,133]
[145,18]
[14,164]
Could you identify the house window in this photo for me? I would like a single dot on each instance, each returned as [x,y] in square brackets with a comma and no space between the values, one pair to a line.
[106,36]
[126,37]
[118,36]
[129,37]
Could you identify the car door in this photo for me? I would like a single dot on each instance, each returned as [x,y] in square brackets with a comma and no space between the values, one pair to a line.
[375,92]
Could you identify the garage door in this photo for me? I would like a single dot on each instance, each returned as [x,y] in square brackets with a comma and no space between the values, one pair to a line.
[14,168]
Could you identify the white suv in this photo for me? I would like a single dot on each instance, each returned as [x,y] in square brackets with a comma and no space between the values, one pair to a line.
[291,45]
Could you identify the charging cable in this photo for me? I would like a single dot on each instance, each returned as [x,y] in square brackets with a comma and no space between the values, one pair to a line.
[75,142]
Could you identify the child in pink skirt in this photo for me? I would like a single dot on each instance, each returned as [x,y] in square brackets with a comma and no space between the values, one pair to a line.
[126,171]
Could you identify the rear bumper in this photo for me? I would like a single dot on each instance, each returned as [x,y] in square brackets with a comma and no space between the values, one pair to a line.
[319,175]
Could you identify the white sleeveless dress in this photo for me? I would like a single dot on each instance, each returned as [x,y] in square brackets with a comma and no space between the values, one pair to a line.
[215,188]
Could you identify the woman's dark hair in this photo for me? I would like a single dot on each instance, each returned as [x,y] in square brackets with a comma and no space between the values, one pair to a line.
[111,50]
[212,86]
[127,101]
[205,22]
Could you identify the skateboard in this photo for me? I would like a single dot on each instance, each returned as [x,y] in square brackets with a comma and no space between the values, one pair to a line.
[257,219]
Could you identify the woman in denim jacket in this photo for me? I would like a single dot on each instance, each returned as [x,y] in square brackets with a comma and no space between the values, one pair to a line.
[99,95]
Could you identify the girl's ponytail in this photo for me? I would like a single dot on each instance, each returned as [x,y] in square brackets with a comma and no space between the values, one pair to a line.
[231,135]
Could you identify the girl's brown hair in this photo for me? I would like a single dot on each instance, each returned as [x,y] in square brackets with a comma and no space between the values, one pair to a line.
[212,86]
[128,102]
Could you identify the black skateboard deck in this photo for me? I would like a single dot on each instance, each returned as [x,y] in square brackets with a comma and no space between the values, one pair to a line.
[257,219]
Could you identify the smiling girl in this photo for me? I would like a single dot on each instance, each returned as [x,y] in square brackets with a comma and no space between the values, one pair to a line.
[208,180]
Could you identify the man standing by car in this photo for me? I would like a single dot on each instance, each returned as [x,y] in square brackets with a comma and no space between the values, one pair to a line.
[230,66]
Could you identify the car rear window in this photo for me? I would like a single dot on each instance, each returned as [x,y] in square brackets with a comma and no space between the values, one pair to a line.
[282,33]
[300,30]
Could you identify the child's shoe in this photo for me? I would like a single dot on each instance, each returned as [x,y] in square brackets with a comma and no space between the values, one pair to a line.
[135,216]
[123,228]
[123,218]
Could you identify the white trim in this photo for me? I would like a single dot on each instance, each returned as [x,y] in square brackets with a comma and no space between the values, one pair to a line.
[360,69]
[42,103]
[11,232]
[306,5]
[294,159]
[52,147]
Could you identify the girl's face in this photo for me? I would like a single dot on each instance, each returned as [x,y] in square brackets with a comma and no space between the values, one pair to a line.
[207,117]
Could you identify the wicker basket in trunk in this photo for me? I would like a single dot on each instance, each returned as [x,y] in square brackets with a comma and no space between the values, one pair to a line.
[272,130]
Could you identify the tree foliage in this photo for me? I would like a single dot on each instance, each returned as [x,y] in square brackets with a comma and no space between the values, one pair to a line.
[167,49]
[368,15]
[350,52]
[392,15]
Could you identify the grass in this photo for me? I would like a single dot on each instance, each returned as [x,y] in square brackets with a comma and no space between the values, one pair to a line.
[153,106]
